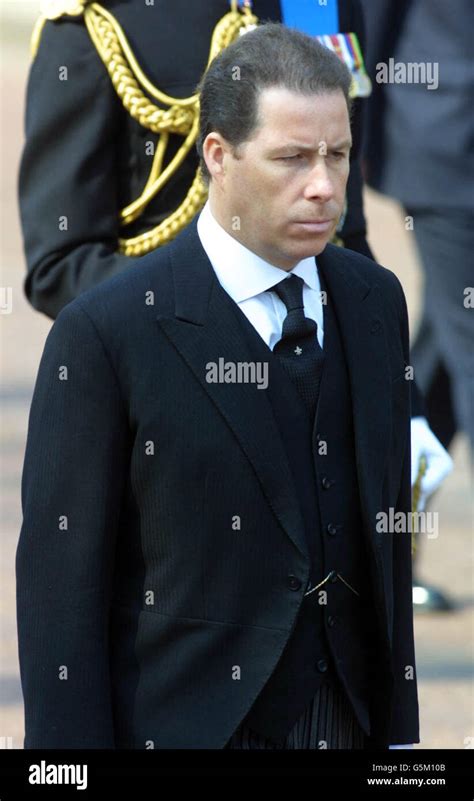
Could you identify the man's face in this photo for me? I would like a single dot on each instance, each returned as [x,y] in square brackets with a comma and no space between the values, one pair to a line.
[282,192]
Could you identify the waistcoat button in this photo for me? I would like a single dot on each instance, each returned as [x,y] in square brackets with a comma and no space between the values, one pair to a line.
[331,529]
[293,582]
[322,665]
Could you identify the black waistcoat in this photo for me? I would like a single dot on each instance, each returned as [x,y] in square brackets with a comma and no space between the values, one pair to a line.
[334,633]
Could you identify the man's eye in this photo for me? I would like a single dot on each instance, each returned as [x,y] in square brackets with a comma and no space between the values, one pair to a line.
[338,154]
[291,158]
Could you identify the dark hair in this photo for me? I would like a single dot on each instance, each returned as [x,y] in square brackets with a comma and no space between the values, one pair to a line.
[271,55]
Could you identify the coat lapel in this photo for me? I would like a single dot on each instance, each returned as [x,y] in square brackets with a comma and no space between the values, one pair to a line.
[205,328]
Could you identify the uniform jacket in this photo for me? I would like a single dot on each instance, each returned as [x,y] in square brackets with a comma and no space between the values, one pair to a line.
[85,157]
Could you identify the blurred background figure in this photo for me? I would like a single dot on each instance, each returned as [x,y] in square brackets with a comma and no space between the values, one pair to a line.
[109,167]
[419,149]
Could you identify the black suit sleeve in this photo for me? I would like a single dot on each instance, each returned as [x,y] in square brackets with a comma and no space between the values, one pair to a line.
[68,183]
[418,404]
[75,467]
[404,725]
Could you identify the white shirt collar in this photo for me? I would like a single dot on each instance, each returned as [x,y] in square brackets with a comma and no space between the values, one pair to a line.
[241,272]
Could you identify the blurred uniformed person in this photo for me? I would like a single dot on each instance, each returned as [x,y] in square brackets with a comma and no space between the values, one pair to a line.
[110,106]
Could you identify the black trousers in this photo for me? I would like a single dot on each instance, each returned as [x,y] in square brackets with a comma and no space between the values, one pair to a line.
[328,722]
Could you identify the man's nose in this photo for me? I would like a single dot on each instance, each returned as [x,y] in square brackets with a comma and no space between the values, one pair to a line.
[319,185]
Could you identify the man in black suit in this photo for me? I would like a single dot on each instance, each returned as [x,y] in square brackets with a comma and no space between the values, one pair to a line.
[218,445]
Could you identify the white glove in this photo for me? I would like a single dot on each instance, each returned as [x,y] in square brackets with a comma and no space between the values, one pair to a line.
[439,462]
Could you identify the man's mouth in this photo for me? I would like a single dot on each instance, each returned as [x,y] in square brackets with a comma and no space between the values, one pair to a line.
[314,226]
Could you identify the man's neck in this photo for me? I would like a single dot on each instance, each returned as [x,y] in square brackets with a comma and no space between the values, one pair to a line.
[223,220]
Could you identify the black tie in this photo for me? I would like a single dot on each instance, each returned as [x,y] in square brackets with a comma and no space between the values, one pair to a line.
[298,349]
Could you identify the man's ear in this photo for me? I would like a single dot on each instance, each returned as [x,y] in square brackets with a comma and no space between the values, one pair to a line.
[214,150]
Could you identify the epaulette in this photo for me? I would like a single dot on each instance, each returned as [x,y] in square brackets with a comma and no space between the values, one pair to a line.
[53,9]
